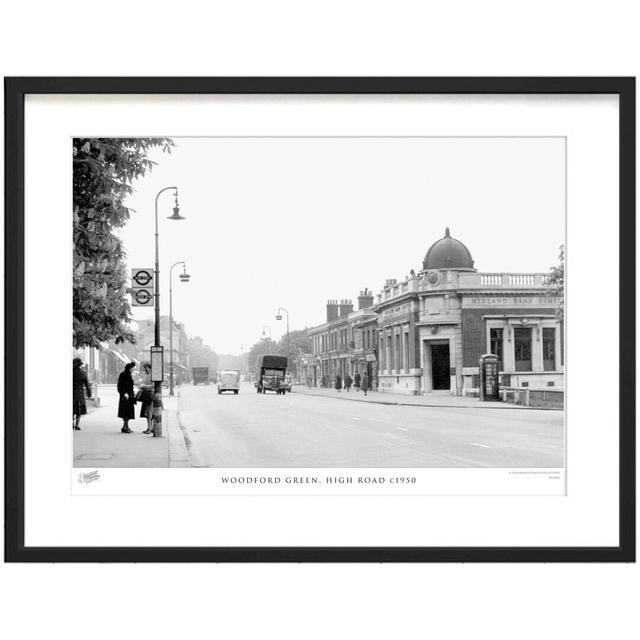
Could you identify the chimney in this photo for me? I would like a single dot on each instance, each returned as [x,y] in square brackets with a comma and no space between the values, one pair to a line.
[333,310]
[365,299]
[346,307]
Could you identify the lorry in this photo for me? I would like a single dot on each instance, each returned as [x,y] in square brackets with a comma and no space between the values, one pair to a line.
[200,375]
[229,380]
[271,374]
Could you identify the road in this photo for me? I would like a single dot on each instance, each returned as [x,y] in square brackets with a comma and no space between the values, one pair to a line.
[299,430]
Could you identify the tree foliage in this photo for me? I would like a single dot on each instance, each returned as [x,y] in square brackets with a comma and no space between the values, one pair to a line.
[298,343]
[264,346]
[104,170]
[232,361]
[555,280]
[201,354]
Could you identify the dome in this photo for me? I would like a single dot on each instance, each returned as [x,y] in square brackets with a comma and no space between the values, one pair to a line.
[447,253]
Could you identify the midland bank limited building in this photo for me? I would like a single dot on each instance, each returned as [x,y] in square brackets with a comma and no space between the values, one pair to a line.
[432,328]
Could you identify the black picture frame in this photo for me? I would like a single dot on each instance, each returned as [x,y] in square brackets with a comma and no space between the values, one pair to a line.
[15,91]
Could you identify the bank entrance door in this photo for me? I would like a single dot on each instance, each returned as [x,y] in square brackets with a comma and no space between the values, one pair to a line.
[440,374]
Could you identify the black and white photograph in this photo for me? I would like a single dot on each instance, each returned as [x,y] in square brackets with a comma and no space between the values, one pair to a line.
[322,303]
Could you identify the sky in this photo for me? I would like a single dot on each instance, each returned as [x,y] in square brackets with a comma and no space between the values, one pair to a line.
[293,222]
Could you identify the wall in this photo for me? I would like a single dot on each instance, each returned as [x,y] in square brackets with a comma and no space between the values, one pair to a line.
[474,342]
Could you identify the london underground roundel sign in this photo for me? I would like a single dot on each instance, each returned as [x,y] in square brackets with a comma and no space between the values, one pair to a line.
[142,298]
[141,277]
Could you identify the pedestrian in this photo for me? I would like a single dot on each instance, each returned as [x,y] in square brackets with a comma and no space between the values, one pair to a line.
[80,383]
[338,383]
[365,383]
[145,396]
[356,381]
[309,381]
[127,402]
[348,381]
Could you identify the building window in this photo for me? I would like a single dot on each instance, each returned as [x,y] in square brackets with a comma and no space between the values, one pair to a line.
[495,339]
[406,352]
[389,354]
[522,348]
[549,349]
[398,353]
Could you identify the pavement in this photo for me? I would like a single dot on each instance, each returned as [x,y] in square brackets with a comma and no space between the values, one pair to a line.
[321,429]
[435,399]
[101,444]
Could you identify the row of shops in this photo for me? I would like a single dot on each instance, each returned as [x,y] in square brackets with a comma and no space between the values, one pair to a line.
[427,333]
[105,364]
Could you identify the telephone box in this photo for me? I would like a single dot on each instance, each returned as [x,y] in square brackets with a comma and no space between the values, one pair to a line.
[489,389]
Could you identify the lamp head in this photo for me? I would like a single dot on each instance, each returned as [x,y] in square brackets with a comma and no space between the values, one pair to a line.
[279,317]
[176,211]
[184,277]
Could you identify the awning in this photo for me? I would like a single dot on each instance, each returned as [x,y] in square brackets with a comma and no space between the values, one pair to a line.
[120,356]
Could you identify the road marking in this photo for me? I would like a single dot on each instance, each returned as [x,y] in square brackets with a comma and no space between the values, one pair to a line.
[484,446]
[356,418]
[401,429]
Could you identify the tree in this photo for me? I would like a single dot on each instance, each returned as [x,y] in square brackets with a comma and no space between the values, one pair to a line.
[264,346]
[233,361]
[298,343]
[555,280]
[201,354]
[104,170]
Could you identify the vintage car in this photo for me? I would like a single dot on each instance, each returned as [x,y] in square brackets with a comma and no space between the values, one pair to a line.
[229,381]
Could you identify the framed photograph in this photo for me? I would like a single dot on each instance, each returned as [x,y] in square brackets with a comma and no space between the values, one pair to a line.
[320,319]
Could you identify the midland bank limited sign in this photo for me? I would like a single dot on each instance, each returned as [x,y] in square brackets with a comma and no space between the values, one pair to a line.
[510,301]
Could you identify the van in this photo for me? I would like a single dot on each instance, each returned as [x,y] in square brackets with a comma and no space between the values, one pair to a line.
[229,381]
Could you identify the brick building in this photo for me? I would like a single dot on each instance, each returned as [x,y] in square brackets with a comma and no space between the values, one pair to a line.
[146,338]
[427,332]
[346,343]
[435,325]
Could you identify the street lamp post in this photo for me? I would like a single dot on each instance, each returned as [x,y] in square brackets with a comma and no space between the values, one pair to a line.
[157,386]
[279,317]
[184,277]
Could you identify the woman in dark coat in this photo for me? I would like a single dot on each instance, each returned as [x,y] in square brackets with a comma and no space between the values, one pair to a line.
[338,383]
[365,383]
[127,401]
[80,383]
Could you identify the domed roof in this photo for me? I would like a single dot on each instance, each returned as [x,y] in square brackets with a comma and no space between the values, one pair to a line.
[447,253]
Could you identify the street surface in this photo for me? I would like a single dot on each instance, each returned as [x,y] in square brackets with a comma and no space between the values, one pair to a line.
[300,430]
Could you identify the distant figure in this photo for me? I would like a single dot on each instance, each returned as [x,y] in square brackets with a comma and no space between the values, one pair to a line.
[356,381]
[126,404]
[80,383]
[348,381]
[309,381]
[365,383]
[338,383]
